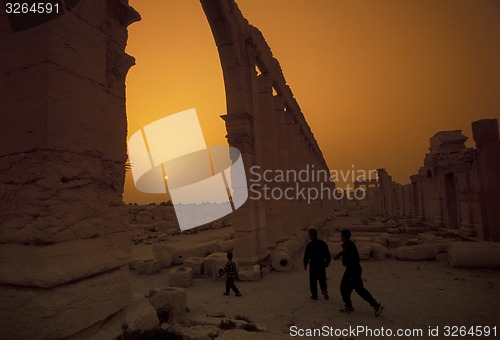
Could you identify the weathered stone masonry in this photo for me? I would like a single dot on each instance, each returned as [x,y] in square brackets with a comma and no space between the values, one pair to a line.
[63,238]
[456,188]
[265,122]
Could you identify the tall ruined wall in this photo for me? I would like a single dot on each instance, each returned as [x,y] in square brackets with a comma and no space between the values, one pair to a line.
[267,125]
[456,188]
[63,239]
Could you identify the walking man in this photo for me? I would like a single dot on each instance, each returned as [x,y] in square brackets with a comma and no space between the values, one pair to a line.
[317,256]
[352,276]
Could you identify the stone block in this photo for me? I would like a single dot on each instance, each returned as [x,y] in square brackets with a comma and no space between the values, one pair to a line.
[225,246]
[179,253]
[170,303]
[145,266]
[140,314]
[475,255]
[252,274]
[52,265]
[415,253]
[64,310]
[195,263]
[162,254]
[210,263]
[375,228]
[281,261]
[379,252]
[181,277]
[364,250]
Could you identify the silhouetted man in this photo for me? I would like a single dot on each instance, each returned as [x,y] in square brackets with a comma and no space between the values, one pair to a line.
[317,256]
[352,275]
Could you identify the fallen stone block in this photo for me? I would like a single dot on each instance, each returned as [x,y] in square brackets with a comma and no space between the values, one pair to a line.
[281,261]
[379,252]
[210,261]
[140,314]
[364,250]
[391,224]
[394,230]
[395,241]
[224,246]
[475,255]
[413,242]
[179,253]
[163,255]
[195,263]
[416,253]
[415,230]
[441,245]
[170,303]
[252,274]
[145,266]
[180,277]
[376,228]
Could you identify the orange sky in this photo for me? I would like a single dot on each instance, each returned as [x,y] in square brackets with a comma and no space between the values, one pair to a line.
[375,79]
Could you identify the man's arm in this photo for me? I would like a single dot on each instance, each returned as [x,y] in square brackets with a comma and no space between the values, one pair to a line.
[339,255]
[306,256]
[327,256]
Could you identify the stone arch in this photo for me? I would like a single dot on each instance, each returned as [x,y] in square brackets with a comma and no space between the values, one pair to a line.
[265,122]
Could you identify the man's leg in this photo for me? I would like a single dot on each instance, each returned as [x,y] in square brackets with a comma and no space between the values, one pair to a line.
[345,291]
[313,285]
[322,282]
[361,290]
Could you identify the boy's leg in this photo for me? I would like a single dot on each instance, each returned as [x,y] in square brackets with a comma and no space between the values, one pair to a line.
[234,288]
[228,286]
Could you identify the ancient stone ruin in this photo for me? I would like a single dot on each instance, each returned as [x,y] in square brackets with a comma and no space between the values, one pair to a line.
[64,238]
[265,122]
[64,243]
[456,188]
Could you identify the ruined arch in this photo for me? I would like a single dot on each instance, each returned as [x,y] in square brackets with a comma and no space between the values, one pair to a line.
[265,122]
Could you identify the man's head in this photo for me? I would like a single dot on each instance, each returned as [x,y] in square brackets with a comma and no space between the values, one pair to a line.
[345,235]
[313,234]
[229,255]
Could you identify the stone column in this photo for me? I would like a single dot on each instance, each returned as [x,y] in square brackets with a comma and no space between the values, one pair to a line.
[269,162]
[64,244]
[247,221]
[486,136]
[294,164]
[284,155]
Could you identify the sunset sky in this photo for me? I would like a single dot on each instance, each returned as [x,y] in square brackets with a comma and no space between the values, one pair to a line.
[375,79]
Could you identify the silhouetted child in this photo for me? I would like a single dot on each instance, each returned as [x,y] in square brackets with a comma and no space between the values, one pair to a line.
[231,275]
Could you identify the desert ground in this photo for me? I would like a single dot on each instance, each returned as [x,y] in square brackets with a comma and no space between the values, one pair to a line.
[416,295]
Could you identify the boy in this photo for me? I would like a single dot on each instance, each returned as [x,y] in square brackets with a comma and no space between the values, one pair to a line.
[231,274]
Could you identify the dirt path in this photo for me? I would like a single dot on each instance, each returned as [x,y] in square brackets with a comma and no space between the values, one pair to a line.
[415,295]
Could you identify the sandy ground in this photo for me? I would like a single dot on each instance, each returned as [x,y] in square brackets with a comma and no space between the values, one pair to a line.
[416,295]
